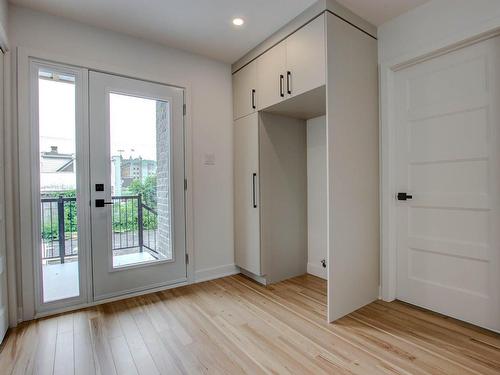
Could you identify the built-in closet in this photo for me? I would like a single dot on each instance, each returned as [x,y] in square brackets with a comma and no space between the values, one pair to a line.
[306,158]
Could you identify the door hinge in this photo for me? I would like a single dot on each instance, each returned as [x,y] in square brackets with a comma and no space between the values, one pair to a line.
[184,109]
[185,184]
[187,258]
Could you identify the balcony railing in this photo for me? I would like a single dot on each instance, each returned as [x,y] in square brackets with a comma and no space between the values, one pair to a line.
[134,227]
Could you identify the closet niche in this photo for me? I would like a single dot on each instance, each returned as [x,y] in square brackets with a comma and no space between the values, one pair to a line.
[271,213]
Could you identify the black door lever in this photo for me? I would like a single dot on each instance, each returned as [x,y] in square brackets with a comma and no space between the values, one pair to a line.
[101,203]
[404,196]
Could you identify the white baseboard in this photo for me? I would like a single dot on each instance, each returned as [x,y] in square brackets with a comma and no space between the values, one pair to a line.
[207,274]
[317,270]
[3,324]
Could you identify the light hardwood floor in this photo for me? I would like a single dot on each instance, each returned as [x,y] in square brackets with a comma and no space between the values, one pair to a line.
[233,325]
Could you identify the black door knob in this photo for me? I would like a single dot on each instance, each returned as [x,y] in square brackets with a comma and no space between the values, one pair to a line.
[101,203]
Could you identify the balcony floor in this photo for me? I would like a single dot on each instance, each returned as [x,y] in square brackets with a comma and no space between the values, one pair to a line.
[60,281]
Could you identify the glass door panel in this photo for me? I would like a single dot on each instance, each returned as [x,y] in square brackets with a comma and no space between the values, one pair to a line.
[140,180]
[57,128]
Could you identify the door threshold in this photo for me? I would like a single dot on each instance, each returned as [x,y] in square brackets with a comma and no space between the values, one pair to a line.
[81,306]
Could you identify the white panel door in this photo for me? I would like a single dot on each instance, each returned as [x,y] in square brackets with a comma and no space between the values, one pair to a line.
[245,91]
[246,194]
[137,185]
[448,125]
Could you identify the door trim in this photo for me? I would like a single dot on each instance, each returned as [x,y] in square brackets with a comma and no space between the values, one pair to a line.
[388,152]
[26,309]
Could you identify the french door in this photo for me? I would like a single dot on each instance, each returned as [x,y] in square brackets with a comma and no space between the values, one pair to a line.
[107,183]
[137,185]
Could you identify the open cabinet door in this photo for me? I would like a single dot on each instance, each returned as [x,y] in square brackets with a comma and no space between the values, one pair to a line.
[353,180]
[4,320]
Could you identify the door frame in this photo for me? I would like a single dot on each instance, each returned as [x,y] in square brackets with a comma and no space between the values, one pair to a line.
[388,151]
[22,121]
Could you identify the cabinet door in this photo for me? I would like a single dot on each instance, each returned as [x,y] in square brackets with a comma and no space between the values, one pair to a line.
[244,90]
[271,70]
[246,194]
[305,57]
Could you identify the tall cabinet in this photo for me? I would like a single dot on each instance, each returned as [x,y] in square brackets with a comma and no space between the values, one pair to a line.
[326,67]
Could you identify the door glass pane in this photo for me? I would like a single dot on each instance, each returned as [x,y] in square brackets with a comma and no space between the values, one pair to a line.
[58,190]
[140,180]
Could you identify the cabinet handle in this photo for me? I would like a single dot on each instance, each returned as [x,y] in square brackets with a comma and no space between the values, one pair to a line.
[253,98]
[254,198]
[288,83]
[282,93]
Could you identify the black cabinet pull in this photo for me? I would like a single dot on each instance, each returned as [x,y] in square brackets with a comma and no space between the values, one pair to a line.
[253,98]
[288,82]
[404,196]
[282,93]
[254,197]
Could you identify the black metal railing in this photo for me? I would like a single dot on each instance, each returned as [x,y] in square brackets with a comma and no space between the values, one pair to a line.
[133,222]
[134,226]
[59,237]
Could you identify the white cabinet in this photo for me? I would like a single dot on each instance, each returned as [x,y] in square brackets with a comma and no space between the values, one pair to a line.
[305,58]
[271,69]
[246,194]
[294,66]
[244,90]
[316,70]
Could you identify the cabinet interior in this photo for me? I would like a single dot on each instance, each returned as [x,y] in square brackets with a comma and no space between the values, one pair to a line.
[290,245]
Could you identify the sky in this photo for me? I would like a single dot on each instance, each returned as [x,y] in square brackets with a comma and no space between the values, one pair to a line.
[132,121]
[133,126]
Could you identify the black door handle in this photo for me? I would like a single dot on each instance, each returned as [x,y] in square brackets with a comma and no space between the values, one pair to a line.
[253,98]
[254,198]
[101,203]
[282,93]
[404,196]
[288,82]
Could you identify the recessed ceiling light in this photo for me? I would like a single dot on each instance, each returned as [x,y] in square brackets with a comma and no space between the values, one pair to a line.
[238,21]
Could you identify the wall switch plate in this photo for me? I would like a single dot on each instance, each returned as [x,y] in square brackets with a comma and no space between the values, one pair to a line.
[209,158]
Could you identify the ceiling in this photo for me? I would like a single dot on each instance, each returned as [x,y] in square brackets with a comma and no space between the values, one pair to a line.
[204,26]
[378,12]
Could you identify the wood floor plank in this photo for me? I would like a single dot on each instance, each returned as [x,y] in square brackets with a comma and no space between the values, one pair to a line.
[236,326]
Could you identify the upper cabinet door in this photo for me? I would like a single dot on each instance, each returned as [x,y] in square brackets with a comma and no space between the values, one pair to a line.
[245,91]
[271,76]
[305,57]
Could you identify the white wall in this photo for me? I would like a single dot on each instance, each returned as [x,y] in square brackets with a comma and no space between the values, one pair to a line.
[316,196]
[210,107]
[435,25]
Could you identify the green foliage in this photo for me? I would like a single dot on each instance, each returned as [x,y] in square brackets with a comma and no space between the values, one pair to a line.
[147,189]
[50,230]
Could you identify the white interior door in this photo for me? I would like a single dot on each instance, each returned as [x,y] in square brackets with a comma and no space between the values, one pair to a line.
[448,123]
[137,185]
